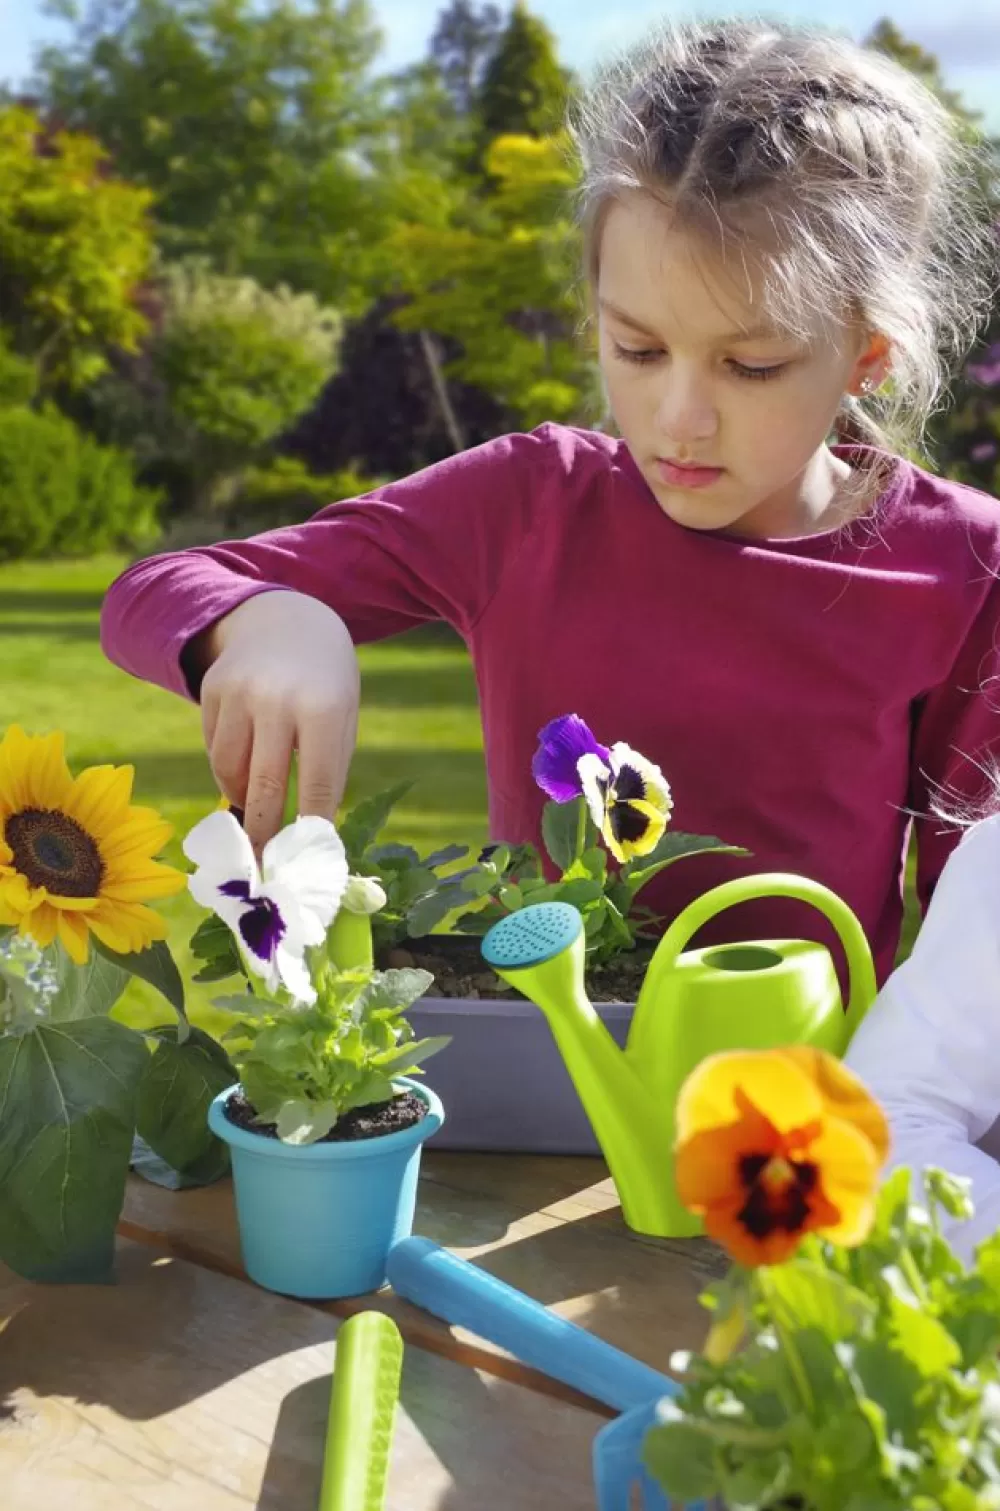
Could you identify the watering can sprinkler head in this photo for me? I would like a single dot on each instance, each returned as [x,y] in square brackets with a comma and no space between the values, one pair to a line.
[540,951]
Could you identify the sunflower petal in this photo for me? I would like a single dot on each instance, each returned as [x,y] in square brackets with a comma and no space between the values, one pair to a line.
[74,937]
[100,798]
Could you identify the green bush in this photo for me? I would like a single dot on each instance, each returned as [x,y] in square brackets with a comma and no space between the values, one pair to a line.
[18,376]
[63,494]
[230,367]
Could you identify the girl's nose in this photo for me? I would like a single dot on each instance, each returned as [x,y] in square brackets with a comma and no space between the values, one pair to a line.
[686,412]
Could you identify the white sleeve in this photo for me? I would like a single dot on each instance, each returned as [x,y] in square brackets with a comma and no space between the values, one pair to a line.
[929,1049]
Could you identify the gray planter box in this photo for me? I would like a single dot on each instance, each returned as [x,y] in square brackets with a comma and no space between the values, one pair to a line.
[502,1079]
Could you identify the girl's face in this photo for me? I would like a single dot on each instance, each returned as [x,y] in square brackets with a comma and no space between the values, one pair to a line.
[726,417]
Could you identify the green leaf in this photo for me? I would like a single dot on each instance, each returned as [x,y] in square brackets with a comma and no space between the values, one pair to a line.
[155,966]
[172,1100]
[301,1122]
[85,991]
[67,1114]
[400,1061]
[672,847]
[446,855]
[561,830]
[803,1294]
[430,911]
[393,989]
[681,1459]
[367,819]
[922,1339]
[213,943]
[247,1004]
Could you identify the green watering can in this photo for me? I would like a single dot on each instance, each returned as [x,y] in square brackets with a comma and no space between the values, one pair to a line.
[692,1004]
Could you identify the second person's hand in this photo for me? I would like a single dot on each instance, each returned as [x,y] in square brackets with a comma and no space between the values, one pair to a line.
[282,676]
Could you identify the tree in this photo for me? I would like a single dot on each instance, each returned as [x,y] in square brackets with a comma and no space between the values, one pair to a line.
[251,120]
[885,37]
[502,285]
[524,90]
[463,41]
[965,437]
[75,244]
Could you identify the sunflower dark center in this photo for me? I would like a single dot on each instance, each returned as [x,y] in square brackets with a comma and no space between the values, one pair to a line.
[777,1193]
[54,852]
[263,928]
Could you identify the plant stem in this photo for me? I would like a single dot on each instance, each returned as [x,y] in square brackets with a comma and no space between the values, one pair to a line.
[791,1353]
[581,828]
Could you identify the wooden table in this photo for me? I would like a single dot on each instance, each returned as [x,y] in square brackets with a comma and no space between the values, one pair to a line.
[185,1386]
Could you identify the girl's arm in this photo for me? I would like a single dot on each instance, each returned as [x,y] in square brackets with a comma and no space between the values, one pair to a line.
[433,546]
[930,1047]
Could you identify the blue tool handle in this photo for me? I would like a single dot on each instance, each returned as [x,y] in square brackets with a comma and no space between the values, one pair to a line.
[465,1296]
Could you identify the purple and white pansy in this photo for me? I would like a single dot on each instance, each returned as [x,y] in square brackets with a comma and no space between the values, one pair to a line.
[628,796]
[278,910]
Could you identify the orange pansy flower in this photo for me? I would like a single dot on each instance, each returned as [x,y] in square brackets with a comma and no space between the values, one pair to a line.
[774,1144]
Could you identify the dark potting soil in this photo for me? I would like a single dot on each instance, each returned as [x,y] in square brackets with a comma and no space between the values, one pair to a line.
[459,970]
[361,1122]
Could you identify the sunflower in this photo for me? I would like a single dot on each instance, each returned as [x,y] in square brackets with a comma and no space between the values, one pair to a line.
[774,1144]
[75,857]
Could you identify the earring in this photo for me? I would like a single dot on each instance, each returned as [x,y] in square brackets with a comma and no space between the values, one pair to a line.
[867,385]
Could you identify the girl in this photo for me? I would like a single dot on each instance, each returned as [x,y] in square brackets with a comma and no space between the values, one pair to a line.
[928,1048]
[780,244]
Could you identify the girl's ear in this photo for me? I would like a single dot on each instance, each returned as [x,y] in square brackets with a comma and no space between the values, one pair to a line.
[872,367]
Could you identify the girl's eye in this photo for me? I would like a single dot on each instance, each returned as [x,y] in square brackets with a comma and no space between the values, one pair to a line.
[757,374]
[631,354]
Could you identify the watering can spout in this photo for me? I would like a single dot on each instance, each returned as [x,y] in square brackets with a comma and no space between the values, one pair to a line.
[539,950]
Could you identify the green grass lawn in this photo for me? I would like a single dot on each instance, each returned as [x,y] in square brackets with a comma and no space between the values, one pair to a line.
[419,721]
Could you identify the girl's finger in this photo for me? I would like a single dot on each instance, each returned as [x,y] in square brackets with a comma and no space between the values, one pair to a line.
[267,787]
[229,751]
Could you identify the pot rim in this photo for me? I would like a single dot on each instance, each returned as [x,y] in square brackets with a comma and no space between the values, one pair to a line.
[320,1153]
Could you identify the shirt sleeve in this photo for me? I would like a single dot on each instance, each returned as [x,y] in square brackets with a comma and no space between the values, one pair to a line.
[433,546]
[956,742]
[929,1049]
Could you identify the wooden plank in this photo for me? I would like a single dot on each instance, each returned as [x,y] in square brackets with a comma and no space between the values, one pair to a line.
[549,1226]
[179,1388]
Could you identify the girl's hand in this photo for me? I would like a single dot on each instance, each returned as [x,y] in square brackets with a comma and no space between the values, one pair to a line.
[282,676]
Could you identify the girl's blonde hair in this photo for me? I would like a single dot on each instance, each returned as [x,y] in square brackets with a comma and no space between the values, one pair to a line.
[844,177]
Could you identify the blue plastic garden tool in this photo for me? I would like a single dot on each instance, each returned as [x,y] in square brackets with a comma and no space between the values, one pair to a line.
[461,1294]
[693,1004]
[366,1375]
[619,1474]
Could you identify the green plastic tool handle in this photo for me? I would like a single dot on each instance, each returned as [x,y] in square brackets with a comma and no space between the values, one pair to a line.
[779,884]
[366,1375]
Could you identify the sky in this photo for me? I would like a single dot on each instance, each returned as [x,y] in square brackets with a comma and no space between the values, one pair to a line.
[965,35]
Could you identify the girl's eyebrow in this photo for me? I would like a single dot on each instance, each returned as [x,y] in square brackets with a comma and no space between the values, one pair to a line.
[751,333]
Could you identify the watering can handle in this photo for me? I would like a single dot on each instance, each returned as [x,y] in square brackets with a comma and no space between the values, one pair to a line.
[779,884]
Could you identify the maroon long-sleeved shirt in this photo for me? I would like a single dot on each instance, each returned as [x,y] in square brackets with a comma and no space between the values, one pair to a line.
[801,695]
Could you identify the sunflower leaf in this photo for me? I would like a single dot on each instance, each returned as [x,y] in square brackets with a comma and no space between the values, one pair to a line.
[156,966]
[67,1115]
[172,1101]
[84,991]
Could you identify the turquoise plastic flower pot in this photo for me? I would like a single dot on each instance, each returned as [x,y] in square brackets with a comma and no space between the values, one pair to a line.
[318,1220]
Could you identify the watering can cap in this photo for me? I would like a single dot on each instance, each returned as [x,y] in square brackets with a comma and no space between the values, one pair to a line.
[532,935]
